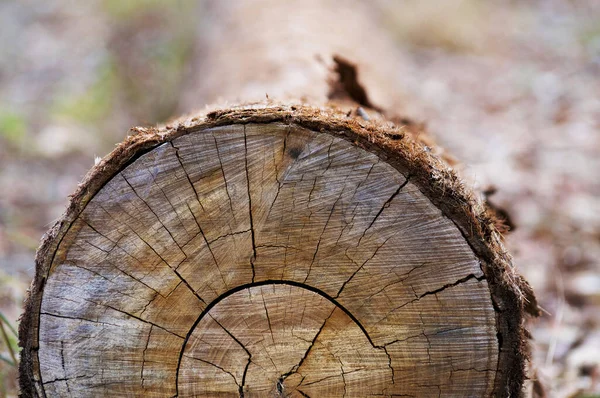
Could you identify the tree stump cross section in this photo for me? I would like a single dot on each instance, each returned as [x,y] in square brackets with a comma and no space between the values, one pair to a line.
[264,259]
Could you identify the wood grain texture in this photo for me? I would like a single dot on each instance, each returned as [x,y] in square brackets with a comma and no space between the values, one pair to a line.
[264,259]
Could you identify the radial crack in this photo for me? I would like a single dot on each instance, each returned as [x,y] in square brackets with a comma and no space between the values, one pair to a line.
[249,205]
[187,175]
[432,292]
[384,206]
[268,318]
[323,231]
[224,178]
[77,318]
[216,366]
[310,347]
[241,387]
[153,212]
[361,266]
[174,269]
[229,234]
[208,247]
[144,355]
[143,320]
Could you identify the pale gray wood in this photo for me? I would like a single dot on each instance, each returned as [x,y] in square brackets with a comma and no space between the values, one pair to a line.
[235,205]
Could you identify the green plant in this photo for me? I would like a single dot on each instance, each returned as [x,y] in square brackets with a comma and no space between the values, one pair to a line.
[10,341]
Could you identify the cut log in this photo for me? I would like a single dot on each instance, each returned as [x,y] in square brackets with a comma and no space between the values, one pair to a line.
[273,250]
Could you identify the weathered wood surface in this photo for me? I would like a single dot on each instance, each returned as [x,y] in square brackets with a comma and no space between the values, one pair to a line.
[268,259]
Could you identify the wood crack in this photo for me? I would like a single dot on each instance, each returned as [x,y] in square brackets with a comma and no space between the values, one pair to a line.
[76,318]
[268,318]
[224,178]
[154,213]
[446,286]
[323,230]
[65,379]
[383,207]
[360,267]
[167,199]
[187,176]
[228,235]
[144,355]
[308,350]
[111,281]
[174,269]
[253,258]
[208,247]
[142,320]
[241,387]
[401,280]
[216,366]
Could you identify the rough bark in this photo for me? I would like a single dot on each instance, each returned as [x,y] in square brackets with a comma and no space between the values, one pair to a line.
[274,250]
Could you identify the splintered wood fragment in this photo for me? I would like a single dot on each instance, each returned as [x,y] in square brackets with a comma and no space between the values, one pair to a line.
[273,251]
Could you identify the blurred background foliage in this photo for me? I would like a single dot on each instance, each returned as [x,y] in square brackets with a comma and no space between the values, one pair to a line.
[510,87]
[74,76]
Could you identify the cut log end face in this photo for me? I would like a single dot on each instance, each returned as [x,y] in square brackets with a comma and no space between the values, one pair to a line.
[264,260]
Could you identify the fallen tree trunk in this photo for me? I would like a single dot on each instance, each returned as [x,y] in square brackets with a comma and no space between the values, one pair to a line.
[274,250]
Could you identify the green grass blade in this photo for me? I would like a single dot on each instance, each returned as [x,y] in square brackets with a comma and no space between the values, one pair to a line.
[12,329]
[8,361]
[11,349]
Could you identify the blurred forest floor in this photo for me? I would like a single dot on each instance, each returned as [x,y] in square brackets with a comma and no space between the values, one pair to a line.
[511,88]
